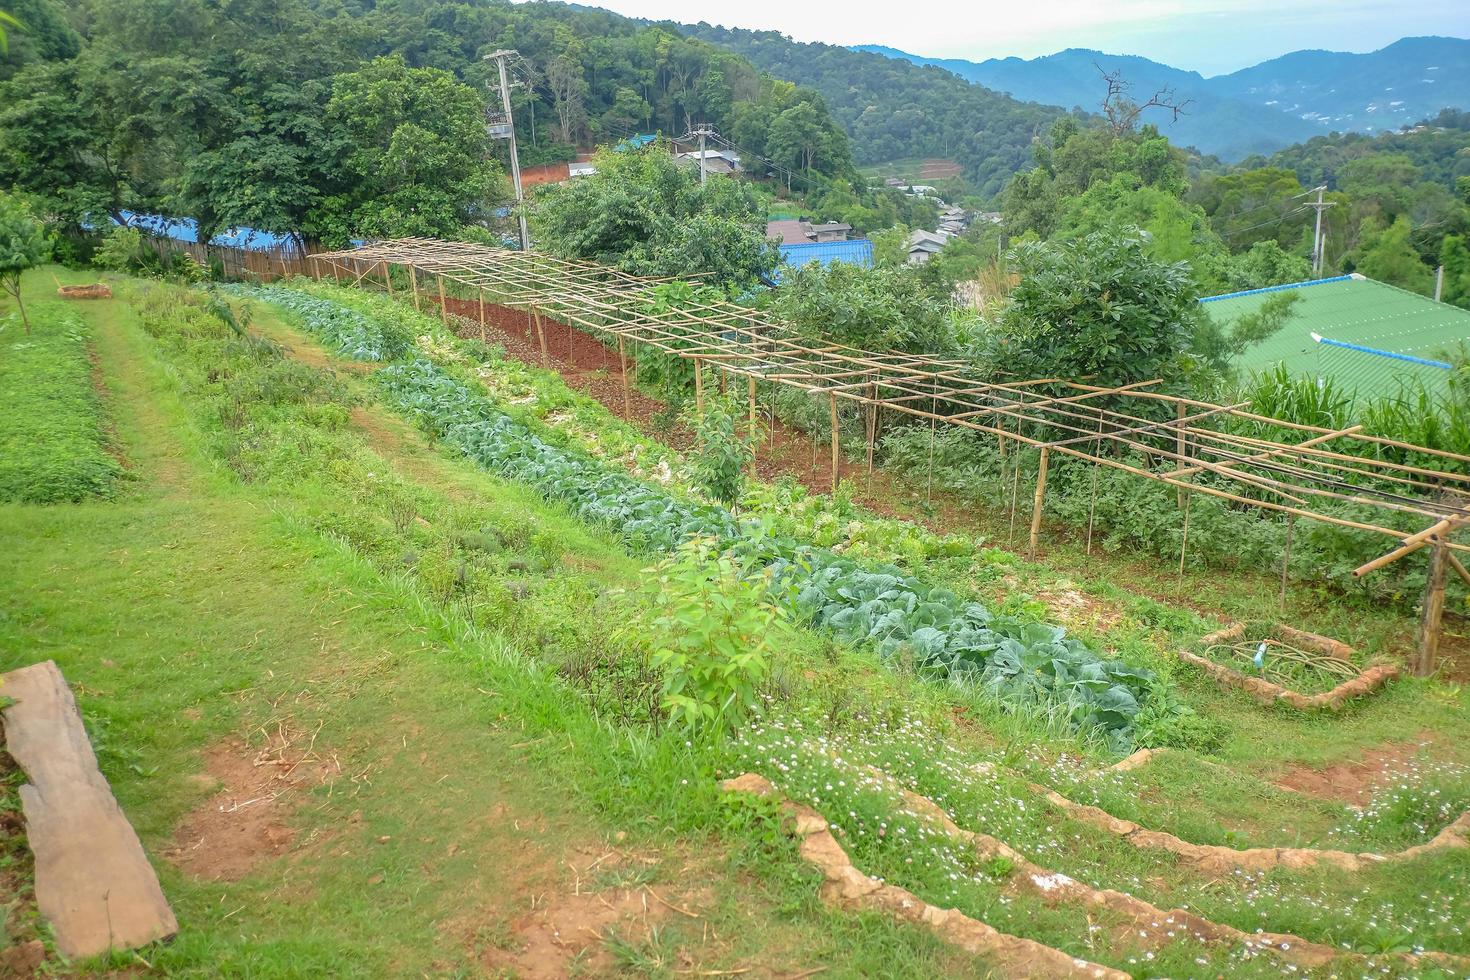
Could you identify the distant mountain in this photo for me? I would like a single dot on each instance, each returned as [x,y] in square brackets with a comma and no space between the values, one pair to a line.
[1256,110]
[894,110]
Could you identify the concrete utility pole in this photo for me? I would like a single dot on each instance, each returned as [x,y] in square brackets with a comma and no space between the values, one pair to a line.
[499,57]
[1319,206]
[1438,283]
[702,132]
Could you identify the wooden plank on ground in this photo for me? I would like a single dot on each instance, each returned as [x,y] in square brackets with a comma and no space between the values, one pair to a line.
[93,882]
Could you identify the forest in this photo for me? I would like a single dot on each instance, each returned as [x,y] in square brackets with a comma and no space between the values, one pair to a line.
[893,109]
[327,121]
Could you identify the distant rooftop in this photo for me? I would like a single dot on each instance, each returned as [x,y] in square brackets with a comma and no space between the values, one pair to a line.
[1390,331]
[858,251]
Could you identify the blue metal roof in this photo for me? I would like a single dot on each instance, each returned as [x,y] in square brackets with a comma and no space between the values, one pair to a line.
[858,251]
[1275,289]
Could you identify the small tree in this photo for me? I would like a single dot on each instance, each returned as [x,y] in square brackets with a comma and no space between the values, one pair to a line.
[22,246]
[721,454]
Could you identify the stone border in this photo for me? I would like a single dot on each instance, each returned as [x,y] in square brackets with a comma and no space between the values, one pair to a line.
[1217,859]
[845,885]
[1266,692]
[1146,926]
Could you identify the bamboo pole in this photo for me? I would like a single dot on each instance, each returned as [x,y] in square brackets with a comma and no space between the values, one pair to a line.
[754,442]
[627,395]
[836,443]
[1459,568]
[1426,651]
[1179,449]
[484,331]
[699,386]
[1184,538]
[1286,560]
[443,304]
[413,280]
[872,429]
[541,336]
[1036,506]
[336,273]
[387,277]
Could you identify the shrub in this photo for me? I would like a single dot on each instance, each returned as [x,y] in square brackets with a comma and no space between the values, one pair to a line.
[713,631]
[721,453]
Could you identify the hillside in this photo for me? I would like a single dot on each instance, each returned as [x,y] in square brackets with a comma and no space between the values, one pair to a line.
[892,109]
[360,121]
[1256,110]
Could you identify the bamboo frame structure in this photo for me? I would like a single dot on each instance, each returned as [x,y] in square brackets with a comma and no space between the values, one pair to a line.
[1135,428]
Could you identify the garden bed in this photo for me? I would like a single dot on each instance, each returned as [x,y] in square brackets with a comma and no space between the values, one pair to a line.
[1297,668]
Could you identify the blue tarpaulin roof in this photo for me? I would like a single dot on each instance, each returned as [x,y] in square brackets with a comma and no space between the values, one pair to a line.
[859,252]
[636,142]
[187,230]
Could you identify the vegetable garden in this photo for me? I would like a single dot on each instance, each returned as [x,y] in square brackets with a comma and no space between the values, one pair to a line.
[1363,486]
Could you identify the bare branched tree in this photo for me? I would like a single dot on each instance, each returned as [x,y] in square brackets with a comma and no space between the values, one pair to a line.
[1122,112]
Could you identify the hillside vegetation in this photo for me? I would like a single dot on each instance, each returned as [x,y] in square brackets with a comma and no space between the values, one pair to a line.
[892,109]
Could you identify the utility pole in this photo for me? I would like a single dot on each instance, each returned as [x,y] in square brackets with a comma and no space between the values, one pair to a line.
[1438,283]
[1319,206]
[702,132]
[507,130]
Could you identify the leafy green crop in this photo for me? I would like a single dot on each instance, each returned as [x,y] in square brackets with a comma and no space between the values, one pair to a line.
[346,330]
[1015,660]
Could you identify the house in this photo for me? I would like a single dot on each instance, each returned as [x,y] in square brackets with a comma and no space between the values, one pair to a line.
[924,245]
[716,161]
[1363,335]
[801,231]
[858,251]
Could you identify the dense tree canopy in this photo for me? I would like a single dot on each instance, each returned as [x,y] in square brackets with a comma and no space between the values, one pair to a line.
[648,214]
[329,121]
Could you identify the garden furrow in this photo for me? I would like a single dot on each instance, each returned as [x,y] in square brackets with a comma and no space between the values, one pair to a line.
[845,885]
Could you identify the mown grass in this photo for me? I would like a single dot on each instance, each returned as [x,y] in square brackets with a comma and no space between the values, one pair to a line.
[53,438]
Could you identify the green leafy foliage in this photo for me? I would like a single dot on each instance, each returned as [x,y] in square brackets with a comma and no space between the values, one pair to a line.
[721,452]
[902,307]
[123,250]
[1097,307]
[645,213]
[22,246]
[714,628]
[53,442]
[902,618]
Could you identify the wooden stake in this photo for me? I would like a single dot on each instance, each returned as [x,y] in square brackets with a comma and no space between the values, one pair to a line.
[336,272]
[541,336]
[1092,504]
[443,303]
[484,334]
[387,277]
[832,399]
[1184,539]
[627,396]
[872,428]
[413,280]
[1427,652]
[1286,559]
[1179,447]
[1036,507]
[698,386]
[750,390]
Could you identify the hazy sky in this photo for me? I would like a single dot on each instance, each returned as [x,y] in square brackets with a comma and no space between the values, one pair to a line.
[1208,36]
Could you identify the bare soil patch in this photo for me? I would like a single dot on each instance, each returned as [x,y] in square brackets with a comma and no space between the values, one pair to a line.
[25,953]
[939,169]
[1354,782]
[246,821]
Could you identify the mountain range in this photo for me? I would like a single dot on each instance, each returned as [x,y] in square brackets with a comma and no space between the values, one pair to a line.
[1255,110]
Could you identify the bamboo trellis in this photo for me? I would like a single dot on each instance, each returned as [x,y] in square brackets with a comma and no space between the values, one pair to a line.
[1151,434]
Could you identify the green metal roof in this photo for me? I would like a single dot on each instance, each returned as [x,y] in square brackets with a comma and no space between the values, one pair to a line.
[1351,310]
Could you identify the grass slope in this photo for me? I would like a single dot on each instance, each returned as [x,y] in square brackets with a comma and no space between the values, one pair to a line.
[53,441]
